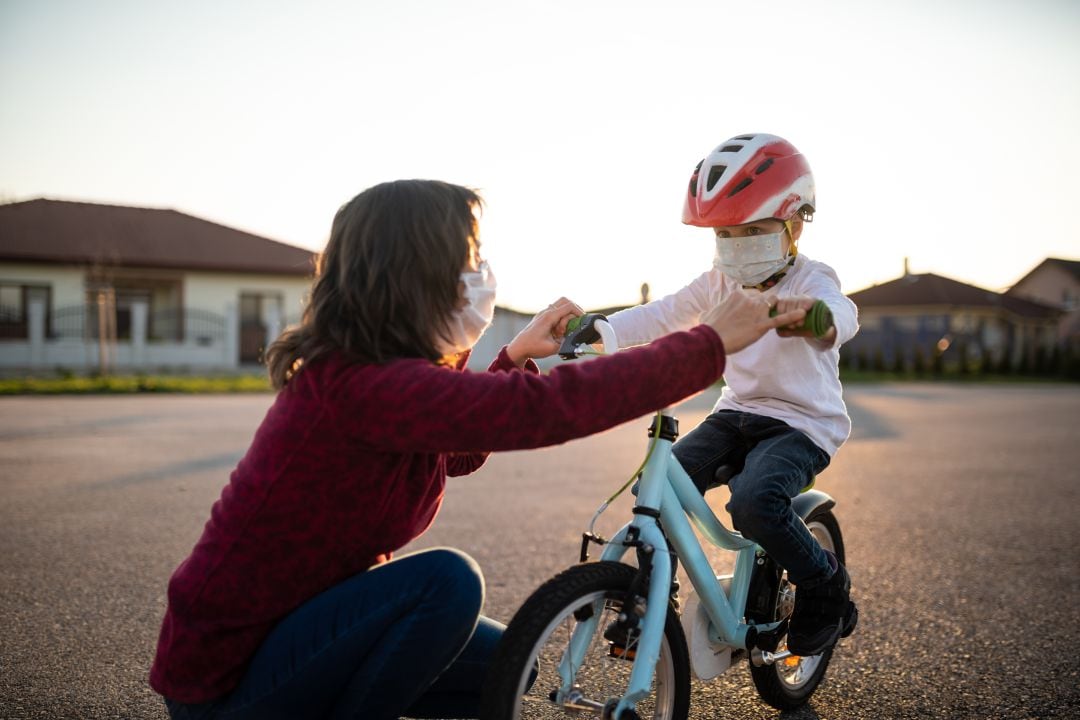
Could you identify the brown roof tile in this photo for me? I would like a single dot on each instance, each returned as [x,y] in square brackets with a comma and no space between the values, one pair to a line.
[57,231]
[1070,266]
[929,289]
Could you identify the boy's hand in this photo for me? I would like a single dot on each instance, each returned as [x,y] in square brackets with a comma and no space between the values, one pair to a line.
[541,337]
[804,303]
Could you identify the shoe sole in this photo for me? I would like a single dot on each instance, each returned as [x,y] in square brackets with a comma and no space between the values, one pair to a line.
[843,630]
[851,619]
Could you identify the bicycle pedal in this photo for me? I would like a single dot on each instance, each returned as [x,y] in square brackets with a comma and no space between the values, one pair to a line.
[621,652]
[770,640]
[621,632]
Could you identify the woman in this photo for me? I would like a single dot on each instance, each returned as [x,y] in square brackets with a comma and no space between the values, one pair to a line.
[289,606]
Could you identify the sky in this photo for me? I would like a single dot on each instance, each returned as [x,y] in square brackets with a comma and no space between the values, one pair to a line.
[943,132]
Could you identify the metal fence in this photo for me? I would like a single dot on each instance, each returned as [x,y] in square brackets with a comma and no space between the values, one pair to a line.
[80,322]
[69,322]
[202,327]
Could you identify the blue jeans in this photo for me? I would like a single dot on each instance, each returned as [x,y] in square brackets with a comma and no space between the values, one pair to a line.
[403,638]
[777,462]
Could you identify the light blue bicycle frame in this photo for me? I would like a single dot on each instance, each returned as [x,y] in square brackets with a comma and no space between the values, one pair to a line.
[666,487]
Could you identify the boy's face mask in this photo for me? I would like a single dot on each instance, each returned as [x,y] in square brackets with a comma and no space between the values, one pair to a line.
[752,259]
[469,322]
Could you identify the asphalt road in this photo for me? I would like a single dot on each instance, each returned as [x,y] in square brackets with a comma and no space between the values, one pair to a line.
[958,506]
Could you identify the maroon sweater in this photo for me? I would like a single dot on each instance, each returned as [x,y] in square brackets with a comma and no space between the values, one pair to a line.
[350,464]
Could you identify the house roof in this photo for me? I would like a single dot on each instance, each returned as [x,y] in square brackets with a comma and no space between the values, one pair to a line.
[929,289]
[57,231]
[1070,266]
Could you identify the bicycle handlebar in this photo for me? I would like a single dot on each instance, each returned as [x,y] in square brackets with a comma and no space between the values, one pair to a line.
[584,331]
[818,319]
[594,327]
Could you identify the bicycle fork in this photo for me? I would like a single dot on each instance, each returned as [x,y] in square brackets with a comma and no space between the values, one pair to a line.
[654,578]
[644,535]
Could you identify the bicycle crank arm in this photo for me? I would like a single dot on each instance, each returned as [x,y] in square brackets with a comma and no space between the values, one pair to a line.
[576,700]
[764,657]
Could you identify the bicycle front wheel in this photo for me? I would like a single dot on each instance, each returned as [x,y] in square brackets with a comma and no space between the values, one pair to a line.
[524,679]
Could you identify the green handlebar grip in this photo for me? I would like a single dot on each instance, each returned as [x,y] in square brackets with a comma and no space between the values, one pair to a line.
[818,319]
[573,324]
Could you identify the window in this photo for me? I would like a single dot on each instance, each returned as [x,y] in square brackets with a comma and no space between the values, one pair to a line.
[15,300]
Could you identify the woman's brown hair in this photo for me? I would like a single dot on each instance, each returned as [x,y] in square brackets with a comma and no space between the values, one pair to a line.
[388,280]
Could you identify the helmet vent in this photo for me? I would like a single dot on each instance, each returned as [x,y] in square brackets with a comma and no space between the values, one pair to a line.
[694,179]
[731,148]
[741,186]
[746,137]
[763,166]
[715,173]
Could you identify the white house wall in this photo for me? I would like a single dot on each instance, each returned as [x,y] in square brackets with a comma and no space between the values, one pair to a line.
[216,291]
[67,283]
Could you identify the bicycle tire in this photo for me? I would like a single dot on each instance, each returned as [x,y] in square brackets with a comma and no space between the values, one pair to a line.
[788,684]
[549,614]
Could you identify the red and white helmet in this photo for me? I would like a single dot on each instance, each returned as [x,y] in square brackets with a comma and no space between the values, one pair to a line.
[747,178]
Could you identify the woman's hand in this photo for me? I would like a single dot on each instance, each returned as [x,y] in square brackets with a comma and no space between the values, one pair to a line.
[804,303]
[744,317]
[542,336]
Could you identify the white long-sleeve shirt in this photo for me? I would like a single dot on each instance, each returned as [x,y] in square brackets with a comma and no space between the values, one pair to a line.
[792,379]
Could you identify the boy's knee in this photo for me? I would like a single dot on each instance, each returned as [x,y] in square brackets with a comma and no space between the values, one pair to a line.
[753,512]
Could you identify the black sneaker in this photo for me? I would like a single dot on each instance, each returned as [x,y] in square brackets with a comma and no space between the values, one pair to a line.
[823,614]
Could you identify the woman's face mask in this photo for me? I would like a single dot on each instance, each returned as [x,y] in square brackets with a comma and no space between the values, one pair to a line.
[752,259]
[469,322]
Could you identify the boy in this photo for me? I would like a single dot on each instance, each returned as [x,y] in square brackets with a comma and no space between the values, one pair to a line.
[781,417]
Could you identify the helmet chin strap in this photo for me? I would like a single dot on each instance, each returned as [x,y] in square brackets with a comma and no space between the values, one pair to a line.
[777,276]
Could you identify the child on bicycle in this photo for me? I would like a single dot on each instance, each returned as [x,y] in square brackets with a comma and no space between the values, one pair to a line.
[780,417]
[289,605]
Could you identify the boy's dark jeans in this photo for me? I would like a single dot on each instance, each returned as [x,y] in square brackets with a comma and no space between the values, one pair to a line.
[404,638]
[777,462]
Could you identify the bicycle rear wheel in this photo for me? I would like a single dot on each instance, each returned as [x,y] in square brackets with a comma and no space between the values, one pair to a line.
[537,637]
[789,683]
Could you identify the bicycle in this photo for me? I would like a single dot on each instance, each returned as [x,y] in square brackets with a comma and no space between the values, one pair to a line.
[605,639]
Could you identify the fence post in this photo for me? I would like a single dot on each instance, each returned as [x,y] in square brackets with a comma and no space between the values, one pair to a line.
[36,322]
[139,326]
[231,346]
[273,326]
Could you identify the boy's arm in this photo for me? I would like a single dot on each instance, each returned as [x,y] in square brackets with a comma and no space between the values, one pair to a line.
[824,284]
[642,324]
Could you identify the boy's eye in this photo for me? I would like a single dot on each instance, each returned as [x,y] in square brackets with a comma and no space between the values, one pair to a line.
[753,231]
[723,234]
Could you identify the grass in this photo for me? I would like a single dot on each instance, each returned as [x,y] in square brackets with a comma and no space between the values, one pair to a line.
[128,384]
[187,384]
[858,376]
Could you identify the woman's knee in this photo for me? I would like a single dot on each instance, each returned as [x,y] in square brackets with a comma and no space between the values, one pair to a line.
[455,577]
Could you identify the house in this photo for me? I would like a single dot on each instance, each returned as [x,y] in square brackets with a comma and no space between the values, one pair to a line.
[1055,282]
[919,319]
[88,286]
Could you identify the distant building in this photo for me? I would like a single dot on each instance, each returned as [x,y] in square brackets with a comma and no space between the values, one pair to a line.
[1055,282]
[923,318]
[87,285]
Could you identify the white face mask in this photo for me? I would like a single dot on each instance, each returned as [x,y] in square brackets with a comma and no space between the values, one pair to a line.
[468,323]
[750,260]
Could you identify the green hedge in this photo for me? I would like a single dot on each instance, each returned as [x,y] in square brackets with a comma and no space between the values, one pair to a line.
[119,384]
